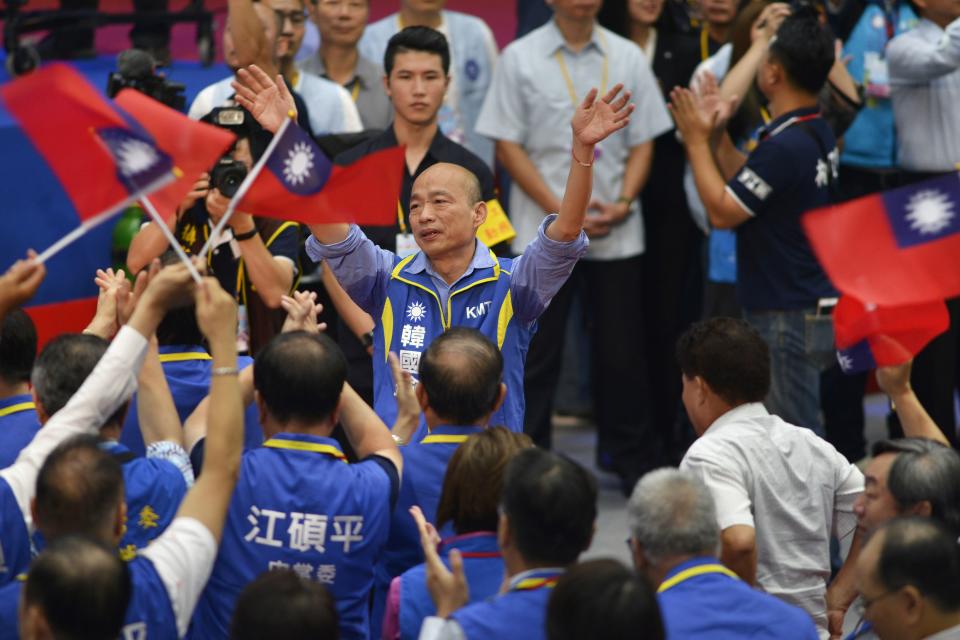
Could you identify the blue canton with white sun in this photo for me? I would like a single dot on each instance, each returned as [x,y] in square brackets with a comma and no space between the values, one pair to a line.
[139,162]
[298,163]
[924,212]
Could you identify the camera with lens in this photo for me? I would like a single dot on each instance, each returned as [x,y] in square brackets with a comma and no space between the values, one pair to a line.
[136,70]
[227,175]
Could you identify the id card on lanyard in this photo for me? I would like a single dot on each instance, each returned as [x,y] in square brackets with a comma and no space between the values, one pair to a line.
[406,245]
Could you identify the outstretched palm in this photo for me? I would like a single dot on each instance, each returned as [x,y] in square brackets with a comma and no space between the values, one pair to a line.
[596,119]
[268,101]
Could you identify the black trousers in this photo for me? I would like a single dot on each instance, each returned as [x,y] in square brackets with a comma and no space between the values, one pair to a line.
[614,319]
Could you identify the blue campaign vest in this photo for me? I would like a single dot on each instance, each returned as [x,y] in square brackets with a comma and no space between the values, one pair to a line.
[149,614]
[518,614]
[298,505]
[153,490]
[14,537]
[871,140]
[187,368]
[482,564]
[424,466]
[18,425]
[412,317]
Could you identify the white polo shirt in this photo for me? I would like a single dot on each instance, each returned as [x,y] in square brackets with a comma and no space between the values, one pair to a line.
[791,486]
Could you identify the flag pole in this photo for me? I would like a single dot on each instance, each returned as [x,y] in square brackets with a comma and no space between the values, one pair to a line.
[244,187]
[174,243]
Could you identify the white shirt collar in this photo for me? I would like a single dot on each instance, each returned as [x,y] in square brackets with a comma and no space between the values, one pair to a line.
[739,413]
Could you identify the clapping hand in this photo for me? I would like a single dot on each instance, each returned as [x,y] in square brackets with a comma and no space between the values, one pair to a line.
[694,121]
[302,311]
[408,407]
[20,282]
[268,101]
[596,119]
[448,587]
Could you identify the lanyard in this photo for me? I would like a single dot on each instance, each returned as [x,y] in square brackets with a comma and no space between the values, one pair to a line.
[566,72]
[182,357]
[532,584]
[443,439]
[298,445]
[16,408]
[356,89]
[403,226]
[704,45]
[693,572]
[789,123]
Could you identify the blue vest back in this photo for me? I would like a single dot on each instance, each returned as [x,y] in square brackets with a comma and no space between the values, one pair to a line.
[424,465]
[482,564]
[14,537]
[299,506]
[153,490]
[518,614]
[150,612]
[412,317]
[10,610]
[18,425]
[871,140]
[187,368]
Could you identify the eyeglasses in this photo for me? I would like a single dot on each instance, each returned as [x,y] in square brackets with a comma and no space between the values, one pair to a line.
[295,17]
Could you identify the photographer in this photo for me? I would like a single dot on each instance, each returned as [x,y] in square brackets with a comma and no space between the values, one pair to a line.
[255,258]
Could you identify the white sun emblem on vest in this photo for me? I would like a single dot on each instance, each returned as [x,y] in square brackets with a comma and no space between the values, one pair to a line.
[846,362]
[135,156]
[929,211]
[298,163]
[416,311]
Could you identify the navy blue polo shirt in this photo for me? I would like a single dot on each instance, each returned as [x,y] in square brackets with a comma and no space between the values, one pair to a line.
[788,174]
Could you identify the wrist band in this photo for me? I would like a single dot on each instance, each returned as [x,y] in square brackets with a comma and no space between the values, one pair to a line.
[575,159]
[224,371]
[240,237]
[625,200]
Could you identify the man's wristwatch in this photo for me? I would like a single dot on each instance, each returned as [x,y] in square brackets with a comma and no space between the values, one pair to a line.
[240,237]
[367,340]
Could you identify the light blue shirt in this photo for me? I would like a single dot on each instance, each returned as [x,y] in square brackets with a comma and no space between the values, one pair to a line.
[924,68]
[473,55]
[529,103]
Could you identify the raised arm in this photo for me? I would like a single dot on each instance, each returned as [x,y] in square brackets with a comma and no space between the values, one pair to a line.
[594,120]
[912,61]
[741,76]
[916,422]
[365,430]
[20,282]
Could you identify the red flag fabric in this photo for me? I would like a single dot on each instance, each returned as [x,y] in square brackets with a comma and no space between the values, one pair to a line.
[898,247]
[193,146]
[299,183]
[89,148]
[871,336]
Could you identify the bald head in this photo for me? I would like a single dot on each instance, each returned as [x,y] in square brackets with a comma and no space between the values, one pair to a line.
[461,373]
[455,177]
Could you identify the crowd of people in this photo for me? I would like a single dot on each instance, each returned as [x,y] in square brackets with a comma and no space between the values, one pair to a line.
[344,431]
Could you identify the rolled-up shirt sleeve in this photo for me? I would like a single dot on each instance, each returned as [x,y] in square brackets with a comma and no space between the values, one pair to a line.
[912,61]
[542,269]
[361,267]
[434,628]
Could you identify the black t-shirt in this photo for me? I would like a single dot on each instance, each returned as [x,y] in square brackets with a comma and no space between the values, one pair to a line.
[442,149]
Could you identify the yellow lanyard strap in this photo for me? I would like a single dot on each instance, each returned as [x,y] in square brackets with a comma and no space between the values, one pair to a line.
[298,445]
[16,408]
[704,45]
[693,572]
[443,439]
[530,584]
[182,357]
[356,89]
[402,225]
[566,72]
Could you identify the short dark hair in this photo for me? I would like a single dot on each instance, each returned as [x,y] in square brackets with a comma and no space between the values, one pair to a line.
[79,488]
[730,356]
[904,445]
[18,347]
[551,504]
[603,599]
[280,604]
[417,39]
[932,476]
[920,552]
[461,372]
[474,479]
[805,50]
[300,376]
[82,587]
[63,365]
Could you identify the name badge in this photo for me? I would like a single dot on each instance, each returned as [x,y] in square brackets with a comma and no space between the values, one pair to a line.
[875,76]
[406,245]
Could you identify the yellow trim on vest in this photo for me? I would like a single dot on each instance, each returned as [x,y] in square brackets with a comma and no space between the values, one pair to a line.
[16,408]
[400,265]
[503,321]
[395,274]
[386,321]
[693,572]
[183,357]
[443,439]
[241,278]
[297,445]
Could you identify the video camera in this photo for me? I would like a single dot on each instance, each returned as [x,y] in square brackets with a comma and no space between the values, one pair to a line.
[136,70]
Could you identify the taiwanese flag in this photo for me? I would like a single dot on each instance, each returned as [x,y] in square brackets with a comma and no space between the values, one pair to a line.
[898,247]
[193,146]
[298,182]
[868,336]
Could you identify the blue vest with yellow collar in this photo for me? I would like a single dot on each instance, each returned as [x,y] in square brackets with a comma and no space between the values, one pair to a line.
[412,317]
